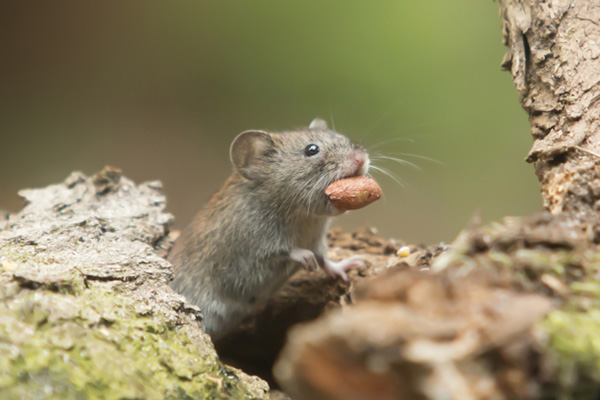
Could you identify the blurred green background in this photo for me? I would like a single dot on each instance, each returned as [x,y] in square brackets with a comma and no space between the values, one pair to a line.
[159,89]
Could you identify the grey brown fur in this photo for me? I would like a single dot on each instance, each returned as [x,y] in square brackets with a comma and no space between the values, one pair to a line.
[270,218]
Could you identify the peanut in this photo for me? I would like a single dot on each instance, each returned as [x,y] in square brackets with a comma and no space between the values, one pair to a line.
[353,193]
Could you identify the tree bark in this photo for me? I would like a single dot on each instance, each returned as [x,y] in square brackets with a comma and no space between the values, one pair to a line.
[85,308]
[554,58]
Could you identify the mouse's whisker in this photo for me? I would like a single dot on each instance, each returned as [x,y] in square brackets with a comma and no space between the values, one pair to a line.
[399,161]
[314,183]
[319,182]
[433,160]
[303,195]
[384,142]
[389,174]
[331,118]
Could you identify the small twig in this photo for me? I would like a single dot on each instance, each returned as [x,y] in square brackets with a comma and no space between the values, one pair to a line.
[586,151]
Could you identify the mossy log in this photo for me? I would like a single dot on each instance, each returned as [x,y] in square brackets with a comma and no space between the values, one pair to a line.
[510,311]
[85,308]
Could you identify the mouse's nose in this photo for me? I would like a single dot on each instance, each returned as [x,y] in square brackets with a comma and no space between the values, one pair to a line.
[360,160]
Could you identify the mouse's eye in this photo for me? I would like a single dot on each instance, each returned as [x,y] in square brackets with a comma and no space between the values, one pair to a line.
[311,150]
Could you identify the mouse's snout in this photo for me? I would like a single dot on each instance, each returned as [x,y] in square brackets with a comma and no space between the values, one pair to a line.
[360,162]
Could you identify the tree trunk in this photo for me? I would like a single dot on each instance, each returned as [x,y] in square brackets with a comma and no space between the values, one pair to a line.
[554,58]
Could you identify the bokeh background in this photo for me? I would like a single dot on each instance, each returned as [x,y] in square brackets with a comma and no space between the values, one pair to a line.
[159,89]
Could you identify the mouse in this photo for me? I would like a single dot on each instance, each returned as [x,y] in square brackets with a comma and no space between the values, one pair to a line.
[270,218]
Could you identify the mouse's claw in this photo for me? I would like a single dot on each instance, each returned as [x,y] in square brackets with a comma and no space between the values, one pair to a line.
[338,269]
[305,257]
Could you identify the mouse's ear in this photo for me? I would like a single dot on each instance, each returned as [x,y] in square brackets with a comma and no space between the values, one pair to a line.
[247,149]
[318,124]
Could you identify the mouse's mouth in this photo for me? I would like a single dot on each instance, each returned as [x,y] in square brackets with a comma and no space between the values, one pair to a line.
[362,169]
[352,175]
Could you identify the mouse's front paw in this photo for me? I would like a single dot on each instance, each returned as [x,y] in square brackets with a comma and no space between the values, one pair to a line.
[338,269]
[305,257]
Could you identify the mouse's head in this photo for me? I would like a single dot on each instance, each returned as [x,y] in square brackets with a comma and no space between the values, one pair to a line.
[294,168]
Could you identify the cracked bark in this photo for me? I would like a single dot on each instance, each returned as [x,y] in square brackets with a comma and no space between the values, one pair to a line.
[554,58]
[85,308]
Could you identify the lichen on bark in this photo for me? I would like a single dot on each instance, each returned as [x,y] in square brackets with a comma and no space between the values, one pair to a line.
[85,309]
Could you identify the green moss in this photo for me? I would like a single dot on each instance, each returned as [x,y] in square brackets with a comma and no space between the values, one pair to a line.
[67,280]
[590,288]
[112,353]
[574,345]
[573,329]
[572,349]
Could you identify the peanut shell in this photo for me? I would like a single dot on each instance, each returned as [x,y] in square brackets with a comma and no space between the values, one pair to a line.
[353,193]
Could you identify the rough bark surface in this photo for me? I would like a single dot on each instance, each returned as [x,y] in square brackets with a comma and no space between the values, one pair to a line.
[415,335]
[85,309]
[554,58]
[511,311]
